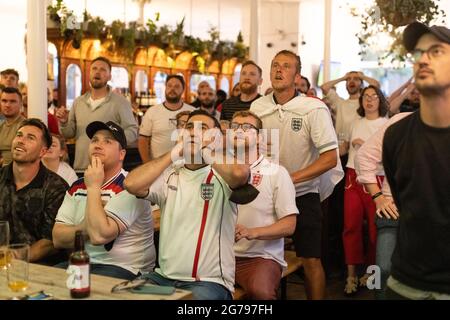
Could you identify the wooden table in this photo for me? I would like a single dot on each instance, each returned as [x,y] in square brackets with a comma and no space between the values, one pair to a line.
[53,281]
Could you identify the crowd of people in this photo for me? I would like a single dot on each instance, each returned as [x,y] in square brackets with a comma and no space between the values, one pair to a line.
[232,178]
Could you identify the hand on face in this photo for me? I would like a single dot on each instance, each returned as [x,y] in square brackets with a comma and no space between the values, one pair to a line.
[94,174]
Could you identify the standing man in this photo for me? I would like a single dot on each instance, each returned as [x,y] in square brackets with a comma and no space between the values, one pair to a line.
[10,105]
[101,104]
[157,124]
[30,193]
[197,218]
[263,223]
[119,227]
[202,85]
[249,81]
[421,258]
[207,99]
[308,149]
[9,78]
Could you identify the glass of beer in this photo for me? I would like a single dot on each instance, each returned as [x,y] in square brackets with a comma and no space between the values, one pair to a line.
[17,272]
[4,242]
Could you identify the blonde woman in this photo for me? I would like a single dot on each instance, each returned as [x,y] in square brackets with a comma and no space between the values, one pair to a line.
[56,159]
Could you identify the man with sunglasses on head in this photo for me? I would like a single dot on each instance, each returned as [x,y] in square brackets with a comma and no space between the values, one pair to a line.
[263,223]
[117,226]
[158,122]
[421,258]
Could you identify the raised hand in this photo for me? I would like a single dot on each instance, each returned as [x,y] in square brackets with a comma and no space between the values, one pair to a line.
[62,114]
[94,174]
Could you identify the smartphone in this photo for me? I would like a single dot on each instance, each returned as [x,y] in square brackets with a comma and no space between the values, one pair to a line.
[41,295]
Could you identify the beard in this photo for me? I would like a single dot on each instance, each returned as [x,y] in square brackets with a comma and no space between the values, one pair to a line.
[430,90]
[173,99]
[208,105]
[248,88]
[96,84]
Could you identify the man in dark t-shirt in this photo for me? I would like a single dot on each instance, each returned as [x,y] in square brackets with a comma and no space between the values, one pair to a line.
[249,82]
[416,159]
[30,193]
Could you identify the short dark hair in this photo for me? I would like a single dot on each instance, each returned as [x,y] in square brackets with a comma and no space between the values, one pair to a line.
[247,113]
[105,60]
[178,77]
[383,108]
[10,71]
[251,62]
[12,90]
[182,113]
[200,112]
[35,122]
[308,84]
[294,55]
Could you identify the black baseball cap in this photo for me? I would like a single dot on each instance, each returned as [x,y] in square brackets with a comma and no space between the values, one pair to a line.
[112,127]
[415,30]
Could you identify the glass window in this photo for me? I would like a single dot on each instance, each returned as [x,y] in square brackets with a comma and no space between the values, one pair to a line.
[119,80]
[73,84]
[159,86]
[237,73]
[141,83]
[225,85]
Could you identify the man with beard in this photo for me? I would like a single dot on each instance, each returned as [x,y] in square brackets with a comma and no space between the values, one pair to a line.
[159,121]
[405,99]
[31,194]
[207,99]
[10,104]
[249,81]
[202,85]
[421,259]
[100,103]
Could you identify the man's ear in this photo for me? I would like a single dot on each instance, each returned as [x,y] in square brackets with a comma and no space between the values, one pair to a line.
[122,154]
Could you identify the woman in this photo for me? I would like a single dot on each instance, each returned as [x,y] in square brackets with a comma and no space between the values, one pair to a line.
[55,159]
[358,203]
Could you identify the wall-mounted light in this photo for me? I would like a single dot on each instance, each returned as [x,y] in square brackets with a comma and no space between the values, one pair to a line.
[269,44]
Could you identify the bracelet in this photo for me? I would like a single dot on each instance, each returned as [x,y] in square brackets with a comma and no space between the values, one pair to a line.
[376,195]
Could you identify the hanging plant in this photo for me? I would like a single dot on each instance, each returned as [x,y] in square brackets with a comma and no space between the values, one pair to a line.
[382,26]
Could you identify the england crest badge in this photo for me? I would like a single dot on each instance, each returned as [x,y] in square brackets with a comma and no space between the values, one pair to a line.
[207,191]
[296,124]
[256,179]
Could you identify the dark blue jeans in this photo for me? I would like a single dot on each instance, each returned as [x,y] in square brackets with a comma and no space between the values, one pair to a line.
[386,241]
[105,270]
[201,290]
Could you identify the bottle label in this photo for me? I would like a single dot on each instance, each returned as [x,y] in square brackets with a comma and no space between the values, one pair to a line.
[78,276]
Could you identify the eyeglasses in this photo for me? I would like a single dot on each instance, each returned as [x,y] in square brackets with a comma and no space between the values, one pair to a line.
[244,126]
[433,52]
[372,97]
[129,284]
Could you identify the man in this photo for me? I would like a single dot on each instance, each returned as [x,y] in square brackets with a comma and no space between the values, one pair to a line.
[307,150]
[202,85]
[118,227]
[207,99]
[420,262]
[197,218]
[10,105]
[9,78]
[249,81]
[263,223]
[100,103]
[157,124]
[31,194]
[404,99]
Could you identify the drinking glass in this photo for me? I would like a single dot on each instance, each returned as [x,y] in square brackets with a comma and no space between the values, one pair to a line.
[17,272]
[4,242]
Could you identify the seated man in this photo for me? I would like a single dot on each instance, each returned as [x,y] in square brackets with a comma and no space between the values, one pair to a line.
[197,218]
[117,225]
[263,223]
[30,193]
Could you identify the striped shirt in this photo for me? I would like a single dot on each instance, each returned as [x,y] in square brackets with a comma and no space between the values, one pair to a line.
[234,104]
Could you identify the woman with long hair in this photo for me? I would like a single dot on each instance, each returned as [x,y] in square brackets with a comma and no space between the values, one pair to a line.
[358,204]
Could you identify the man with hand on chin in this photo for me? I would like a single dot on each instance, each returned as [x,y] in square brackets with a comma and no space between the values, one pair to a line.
[118,227]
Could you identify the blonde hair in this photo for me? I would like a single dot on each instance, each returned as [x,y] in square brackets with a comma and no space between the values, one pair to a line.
[63,145]
[244,114]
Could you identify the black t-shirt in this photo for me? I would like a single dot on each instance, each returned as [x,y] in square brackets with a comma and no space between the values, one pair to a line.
[234,104]
[416,159]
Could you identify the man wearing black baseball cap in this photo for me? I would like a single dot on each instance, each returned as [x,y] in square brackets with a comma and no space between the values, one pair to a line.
[118,225]
[421,259]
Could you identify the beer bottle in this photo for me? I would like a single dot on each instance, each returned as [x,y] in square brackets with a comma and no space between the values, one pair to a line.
[79,263]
